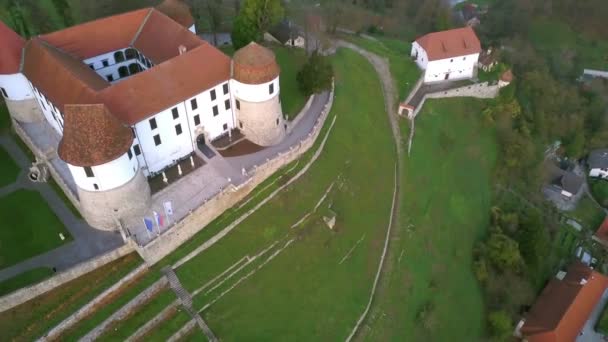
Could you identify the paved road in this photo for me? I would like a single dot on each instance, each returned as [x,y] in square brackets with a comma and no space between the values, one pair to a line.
[88,242]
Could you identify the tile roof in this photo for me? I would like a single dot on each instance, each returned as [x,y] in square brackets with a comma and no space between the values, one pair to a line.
[92,136]
[255,64]
[99,36]
[564,306]
[177,10]
[602,231]
[598,159]
[160,28]
[10,53]
[450,43]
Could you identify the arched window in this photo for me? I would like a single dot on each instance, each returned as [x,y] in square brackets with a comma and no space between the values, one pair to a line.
[123,71]
[119,56]
[134,68]
[130,53]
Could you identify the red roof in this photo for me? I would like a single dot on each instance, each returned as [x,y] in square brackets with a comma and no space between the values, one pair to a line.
[10,53]
[450,43]
[255,64]
[564,306]
[177,10]
[602,231]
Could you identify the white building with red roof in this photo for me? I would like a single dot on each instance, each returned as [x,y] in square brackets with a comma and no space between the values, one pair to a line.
[131,95]
[447,55]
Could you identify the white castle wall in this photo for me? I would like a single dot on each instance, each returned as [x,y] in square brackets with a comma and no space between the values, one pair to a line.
[174,147]
[255,92]
[459,67]
[112,68]
[107,176]
[49,111]
[16,86]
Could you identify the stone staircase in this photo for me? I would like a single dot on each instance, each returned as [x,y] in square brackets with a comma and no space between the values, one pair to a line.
[186,300]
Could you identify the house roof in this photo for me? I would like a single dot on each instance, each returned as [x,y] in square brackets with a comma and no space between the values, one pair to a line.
[177,10]
[450,43]
[565,179]
[598,159]
[10,54]
[92,136]
[564,306]
[602,231]
[284,31]
[100,36]
[255,64]
[469,11]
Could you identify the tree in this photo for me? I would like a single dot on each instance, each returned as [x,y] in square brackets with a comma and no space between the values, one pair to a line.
[503,252]
[500,325]
[255,18]
[316,75]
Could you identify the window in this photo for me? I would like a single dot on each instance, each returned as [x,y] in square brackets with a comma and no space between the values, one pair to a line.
[451,60]
[277,121]
[157,140]
[227,104]
[110,78]
[123,71]
[42,104]
[4,92]
[137,150]
[96,186]
[193,104]
[215,111]
[105,62]
[175,113]
[130,154]
[178,129]
[89,172]
[271,88]
[130,54]
[213,95]
[225,127]
[197,120]
[241,124]
[92,66]
[134,68]
[464,58]
[238,104]
[225,87]
[153,123]
[148,64]
[119,56]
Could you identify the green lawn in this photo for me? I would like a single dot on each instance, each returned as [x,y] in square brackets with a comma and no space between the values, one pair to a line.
[599,189]
[29,227]
[169,326]
[283,299]
[446,198]
[9,170]
[30,277]
[32,319]
[5,119]
[404,70]
[290,60]
[587,213]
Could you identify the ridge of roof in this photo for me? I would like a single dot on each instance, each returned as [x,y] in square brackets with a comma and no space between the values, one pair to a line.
[141,27]
[450,43]
[11,51]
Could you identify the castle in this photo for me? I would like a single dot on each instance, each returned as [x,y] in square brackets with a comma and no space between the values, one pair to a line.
[133,94]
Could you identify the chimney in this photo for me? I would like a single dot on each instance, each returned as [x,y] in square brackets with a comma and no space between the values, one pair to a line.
[182,49]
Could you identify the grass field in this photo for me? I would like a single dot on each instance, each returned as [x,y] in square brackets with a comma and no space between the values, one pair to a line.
[599,189]
[32,319]
[432,294]
[24,235]
[587,213]
[9,170]
[290,60]
[24,279]
[282,299]
[404,70]
[5,120]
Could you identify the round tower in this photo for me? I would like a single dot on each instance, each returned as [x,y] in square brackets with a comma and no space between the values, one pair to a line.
[14,87]
[255,84]
[109,181]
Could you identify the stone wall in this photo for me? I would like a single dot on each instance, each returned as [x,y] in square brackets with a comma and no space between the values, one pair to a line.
[227,198]
[101,209]
[25,110]
[262,122]
[483,90]
[24,294]
[293,123]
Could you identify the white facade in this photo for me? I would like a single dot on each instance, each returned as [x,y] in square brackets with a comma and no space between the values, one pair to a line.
[15,87]
[106,176]
[454,68]
[192,28]
[299,41]
[255,92]
[195,116]
[597,172]
[50,112]
[107,65]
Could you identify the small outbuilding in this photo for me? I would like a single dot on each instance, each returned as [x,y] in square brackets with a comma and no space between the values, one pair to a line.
[597,161]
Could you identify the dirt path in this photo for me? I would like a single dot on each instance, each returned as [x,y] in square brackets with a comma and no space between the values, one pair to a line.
[382,67]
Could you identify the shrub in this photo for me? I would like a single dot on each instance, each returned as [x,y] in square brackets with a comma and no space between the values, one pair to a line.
[500,325]
[316,75]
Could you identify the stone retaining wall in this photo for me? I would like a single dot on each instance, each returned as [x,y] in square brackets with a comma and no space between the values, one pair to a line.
[24,294]
[183,230]
[298,117]
[483,90]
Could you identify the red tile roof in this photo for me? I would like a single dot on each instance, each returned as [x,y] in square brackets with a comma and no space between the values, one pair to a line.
[255,64]
[177,10]
[602,231]
[10,53]
[564,306]
[99,36]
[450,43]
[92,136]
